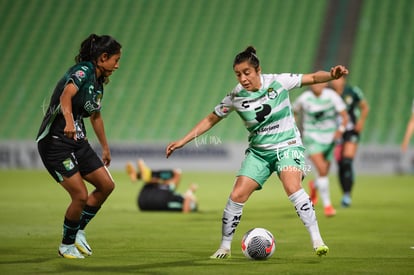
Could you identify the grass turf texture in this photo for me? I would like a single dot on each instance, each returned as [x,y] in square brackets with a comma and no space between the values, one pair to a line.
[374,236]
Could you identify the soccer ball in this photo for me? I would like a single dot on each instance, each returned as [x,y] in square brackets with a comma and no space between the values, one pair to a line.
[258,244]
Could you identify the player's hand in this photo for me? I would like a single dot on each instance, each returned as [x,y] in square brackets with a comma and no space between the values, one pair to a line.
[338,71]
[106,157]
[70,131]
[172,147]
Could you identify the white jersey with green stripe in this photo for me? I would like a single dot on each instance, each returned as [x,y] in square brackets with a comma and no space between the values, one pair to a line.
[267,113]
[320,114]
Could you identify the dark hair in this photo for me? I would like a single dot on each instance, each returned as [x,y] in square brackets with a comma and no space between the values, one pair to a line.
[249,55]
[95,45]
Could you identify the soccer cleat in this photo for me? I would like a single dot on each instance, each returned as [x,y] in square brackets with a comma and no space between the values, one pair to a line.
[221,253]
[313,193]
[329,211]
[131,172]
[81,243]
[321,250]
[69,251]
[346,201]
[145,171]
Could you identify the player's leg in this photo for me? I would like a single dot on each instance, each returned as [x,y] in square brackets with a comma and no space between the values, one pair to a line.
[291,172]
[62,165]
[102,180]
[253,173]
[145,173]
[304,208]
[190,200]
[78,192]
[347,171]
[322,182]
[131,171]
[242,189]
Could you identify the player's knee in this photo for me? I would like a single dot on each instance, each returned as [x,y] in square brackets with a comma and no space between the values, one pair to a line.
[239,197]
[109,187]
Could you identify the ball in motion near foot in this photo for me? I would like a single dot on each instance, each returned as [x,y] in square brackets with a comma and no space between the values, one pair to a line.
[258,244]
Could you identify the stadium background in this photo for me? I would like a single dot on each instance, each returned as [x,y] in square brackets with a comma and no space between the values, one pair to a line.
[176,66]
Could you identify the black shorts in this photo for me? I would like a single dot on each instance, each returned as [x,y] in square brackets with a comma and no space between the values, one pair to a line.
[65,157]
[155,196]
[351,136]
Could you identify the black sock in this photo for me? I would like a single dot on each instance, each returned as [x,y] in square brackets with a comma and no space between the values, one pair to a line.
[70,228]
[87,215]
[346,174]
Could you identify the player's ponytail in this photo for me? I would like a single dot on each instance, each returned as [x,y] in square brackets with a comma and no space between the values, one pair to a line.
[249,54]
[93,46]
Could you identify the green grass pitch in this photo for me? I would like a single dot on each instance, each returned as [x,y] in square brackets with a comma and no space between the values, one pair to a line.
[374,236]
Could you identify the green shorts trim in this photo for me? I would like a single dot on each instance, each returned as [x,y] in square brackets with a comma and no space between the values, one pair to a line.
[260,164]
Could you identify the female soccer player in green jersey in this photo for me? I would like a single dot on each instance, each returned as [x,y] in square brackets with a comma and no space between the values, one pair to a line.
[63,145]
[262,102]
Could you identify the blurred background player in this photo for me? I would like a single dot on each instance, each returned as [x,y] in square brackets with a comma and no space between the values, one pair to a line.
[408,131]
[159,189]
[405,165]
[320,107]
[358,109]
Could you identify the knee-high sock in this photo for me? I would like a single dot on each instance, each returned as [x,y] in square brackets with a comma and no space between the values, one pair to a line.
[304,208]
[87,215]
[231,217]
[322,184]
[70,228]
[346,174]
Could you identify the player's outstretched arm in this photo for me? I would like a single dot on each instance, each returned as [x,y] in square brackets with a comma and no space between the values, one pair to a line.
[324,76]
[203,126]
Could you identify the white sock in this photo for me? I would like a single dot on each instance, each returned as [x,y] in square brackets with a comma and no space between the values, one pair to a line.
[231,217]
[322,184]
[304,208]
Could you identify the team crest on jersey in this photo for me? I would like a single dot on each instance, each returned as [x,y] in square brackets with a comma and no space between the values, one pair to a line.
[271,93]
[348,100]
[68,164]
[80,75]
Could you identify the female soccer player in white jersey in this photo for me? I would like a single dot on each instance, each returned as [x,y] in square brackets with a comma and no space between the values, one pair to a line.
[262,102]
[320,107]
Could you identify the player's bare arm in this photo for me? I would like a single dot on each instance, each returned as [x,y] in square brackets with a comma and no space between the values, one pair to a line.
[66,106]
[324,76]
[203,126]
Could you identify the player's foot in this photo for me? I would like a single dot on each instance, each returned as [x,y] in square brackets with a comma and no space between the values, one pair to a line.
[69,251]
[221,253]
[329,211]
[346,201]
[81,243]
[131,171]
[313,192]
[145,171]
[321,250]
